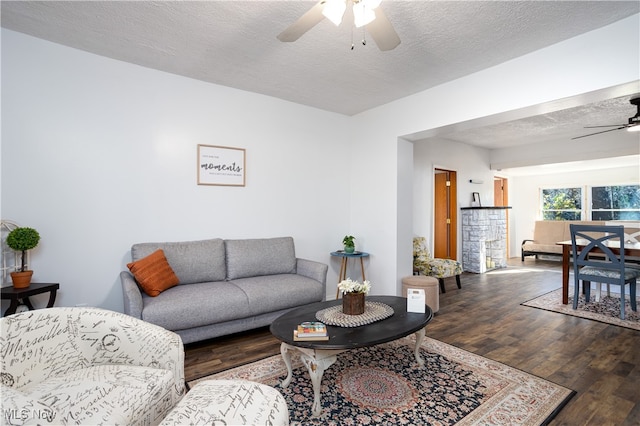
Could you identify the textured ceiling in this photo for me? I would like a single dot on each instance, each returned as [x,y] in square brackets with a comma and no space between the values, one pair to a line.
[559,125]
[233,43]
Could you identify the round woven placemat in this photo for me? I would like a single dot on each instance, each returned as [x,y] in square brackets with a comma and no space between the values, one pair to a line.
[373,311]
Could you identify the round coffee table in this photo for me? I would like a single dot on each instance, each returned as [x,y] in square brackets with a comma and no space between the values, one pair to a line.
[317,356]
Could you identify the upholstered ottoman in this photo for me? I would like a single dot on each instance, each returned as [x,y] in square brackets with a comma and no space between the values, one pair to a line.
[428,284]
[229,402]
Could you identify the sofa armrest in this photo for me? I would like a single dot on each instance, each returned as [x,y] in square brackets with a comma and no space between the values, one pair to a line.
[131,295]
[313,270]
[522,252]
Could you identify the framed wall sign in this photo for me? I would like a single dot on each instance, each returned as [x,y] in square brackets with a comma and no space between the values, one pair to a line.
[221,165]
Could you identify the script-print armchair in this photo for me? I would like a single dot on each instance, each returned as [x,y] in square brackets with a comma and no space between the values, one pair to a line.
[88,366]
[424,263]
[608,267]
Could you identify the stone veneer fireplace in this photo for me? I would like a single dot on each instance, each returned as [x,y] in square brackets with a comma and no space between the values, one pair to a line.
[484,238]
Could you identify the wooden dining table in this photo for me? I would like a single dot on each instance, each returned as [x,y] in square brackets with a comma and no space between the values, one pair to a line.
[630,249]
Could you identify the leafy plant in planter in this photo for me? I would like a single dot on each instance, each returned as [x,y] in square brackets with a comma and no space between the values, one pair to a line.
[22,239]
[349,245]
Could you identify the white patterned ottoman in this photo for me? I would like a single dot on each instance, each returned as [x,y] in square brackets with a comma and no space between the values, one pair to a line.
[230,402]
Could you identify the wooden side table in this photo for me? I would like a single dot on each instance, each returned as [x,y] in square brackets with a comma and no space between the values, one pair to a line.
[343,266]
[17,294]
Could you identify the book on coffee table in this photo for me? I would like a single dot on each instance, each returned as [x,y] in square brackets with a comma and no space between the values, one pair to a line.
[312,329]
[298,338]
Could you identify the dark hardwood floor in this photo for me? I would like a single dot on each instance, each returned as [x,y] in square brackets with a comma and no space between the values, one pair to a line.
[599,361]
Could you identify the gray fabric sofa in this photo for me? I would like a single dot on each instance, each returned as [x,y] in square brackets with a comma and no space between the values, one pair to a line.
[226,286]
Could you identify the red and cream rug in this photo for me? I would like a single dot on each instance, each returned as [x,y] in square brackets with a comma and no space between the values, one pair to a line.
[607,310]
[383,385]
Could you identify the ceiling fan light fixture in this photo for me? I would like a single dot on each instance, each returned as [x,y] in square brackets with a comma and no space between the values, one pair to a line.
[634,128]
[366,12]
[363,14]
[334,10]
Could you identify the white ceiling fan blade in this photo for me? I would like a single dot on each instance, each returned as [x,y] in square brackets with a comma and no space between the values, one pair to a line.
[307,21]
[382,31]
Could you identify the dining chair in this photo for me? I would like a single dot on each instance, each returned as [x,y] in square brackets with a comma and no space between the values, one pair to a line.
[608,267]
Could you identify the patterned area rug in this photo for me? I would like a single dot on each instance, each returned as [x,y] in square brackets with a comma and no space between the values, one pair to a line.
[607,310]
[383,385]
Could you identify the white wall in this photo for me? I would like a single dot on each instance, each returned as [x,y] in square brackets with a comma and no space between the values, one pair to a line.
[469,162]
[524,195]
[110,148]
[99,154]
[594,61]
[405,198]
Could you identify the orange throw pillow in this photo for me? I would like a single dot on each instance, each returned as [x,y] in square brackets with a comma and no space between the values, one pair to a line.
[153,273]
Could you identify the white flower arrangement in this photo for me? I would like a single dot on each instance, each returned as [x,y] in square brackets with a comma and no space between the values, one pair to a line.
[349,286]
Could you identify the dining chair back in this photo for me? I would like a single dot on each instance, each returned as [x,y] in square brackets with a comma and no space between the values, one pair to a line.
[594,260]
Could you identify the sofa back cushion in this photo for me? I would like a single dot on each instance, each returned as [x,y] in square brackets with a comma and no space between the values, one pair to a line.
[567,231]
[553,231]
[192,261]
[549,231]
[255,257]
[153,273]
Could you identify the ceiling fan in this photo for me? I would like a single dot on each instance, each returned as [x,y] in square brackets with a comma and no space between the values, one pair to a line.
[366,13]
[633,124]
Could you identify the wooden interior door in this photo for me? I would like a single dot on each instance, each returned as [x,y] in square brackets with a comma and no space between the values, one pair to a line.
[501,199]
[445,215]
[500,193]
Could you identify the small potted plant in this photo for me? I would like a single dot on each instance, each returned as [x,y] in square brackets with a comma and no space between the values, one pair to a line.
[353,293]
[349,245]
[22,239]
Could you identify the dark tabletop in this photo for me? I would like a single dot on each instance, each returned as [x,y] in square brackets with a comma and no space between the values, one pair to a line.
[400,324]
[33,289]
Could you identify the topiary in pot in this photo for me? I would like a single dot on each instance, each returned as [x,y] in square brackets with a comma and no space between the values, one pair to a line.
[22,239]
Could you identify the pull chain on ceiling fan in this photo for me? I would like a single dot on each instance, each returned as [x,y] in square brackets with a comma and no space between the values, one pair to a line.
[633,124]
[366,13]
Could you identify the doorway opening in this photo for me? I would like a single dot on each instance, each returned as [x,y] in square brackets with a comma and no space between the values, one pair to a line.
[445,215]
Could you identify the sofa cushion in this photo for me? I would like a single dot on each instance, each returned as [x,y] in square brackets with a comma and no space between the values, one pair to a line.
[153,273]
[271,293]
[542,248]
[107,394]
[257,257]
[196,305]
[192,261]
[550,232]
